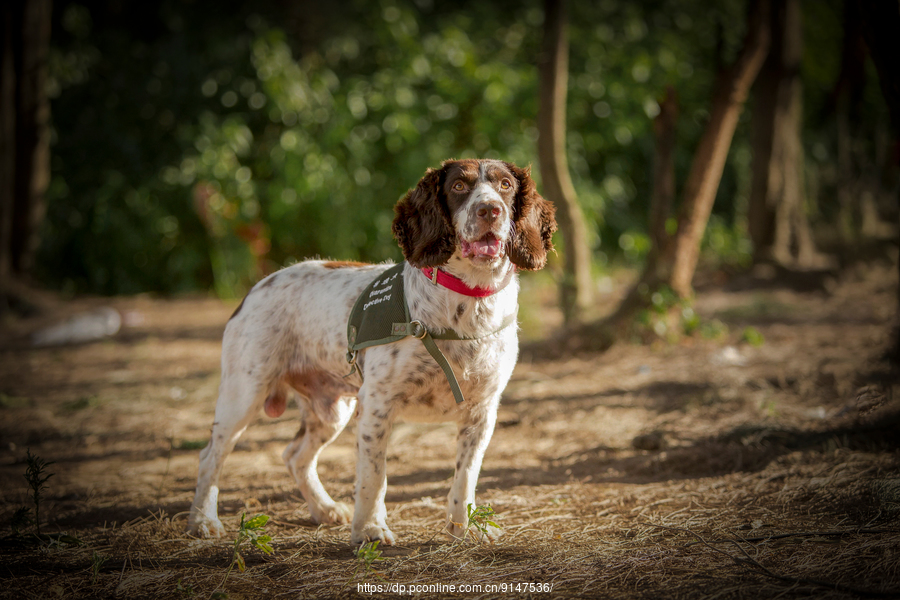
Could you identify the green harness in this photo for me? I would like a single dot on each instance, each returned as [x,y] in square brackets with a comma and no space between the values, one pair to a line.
[381,316]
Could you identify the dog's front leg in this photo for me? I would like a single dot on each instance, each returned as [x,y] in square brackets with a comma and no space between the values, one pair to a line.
[471,445]
[370,514]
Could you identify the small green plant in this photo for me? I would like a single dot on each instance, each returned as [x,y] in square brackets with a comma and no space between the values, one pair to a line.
[366,556]
[481,517]
[250,531]
[713,330]
[21,519]
[97,561]
[36,476]
[185,589]
[690,321]
[666,317]
[7,401]
[752,336]
[81,403]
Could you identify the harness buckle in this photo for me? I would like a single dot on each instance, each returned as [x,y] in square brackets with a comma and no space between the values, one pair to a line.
[351,360]
[416,326]
[434,275]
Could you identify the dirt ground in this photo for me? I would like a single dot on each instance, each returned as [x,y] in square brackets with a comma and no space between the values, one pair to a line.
[698,469]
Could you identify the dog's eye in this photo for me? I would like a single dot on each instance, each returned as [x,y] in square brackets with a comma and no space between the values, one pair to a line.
[505,184]
[459,186]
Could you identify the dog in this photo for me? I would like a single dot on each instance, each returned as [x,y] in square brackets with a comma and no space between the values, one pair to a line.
[464,230]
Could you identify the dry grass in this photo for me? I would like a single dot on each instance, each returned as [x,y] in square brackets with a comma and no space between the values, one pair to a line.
[777,478]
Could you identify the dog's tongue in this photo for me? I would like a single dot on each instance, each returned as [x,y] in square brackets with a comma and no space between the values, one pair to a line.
[487,246]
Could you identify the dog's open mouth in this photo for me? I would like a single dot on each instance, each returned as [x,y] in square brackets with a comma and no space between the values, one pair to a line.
[488,246]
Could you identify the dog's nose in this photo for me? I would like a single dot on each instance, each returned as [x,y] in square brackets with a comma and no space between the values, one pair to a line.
[487,211]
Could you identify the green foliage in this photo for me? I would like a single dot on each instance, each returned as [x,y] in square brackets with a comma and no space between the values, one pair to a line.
[20,520]
[752,336]
[36,475]
[97,562]
[250,532]
[669,317]
[728,244]
[690,321]
[7,401]
[81,403]
[223,152]
[713,329]
[198,149]
[481,517]
[185,589]
[366,555]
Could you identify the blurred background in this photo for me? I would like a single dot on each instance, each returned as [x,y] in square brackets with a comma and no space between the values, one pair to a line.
[195,146]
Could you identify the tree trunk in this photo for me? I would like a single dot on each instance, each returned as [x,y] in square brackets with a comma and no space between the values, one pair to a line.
[32,173]
[7,147]
[847,98]
[663,169]
[777,220]
[24,134]
[730,93]
[663,194]
[554,73]
[673,259]
[881,22]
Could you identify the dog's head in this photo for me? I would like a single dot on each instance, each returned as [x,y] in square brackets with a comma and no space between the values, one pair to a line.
[487,210]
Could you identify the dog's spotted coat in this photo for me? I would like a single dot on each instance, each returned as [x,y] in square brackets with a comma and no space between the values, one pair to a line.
[479,220]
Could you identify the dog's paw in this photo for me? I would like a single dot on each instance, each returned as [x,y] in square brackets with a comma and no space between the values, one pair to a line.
[202,526]
[334,514]
[457,530]
[370,533]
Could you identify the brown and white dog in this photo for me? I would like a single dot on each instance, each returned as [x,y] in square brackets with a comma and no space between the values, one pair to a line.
[479,221]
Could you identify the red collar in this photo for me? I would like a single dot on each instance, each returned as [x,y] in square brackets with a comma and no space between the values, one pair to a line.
[455,284]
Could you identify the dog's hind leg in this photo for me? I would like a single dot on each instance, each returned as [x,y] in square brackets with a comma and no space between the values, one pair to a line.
[239,400]
[327,405]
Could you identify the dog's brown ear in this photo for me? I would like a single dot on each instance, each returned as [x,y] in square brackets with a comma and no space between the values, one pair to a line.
[422,223]
[533,224]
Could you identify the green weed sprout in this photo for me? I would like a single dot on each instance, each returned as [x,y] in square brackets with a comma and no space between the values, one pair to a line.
[481,517]
[252,532]
[36,476]
[752,336]
[97,561]
[186,589]
[20,519]
[365,557]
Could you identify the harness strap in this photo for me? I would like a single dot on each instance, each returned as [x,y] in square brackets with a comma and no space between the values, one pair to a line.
[419,331]
[441,360]
[416,329]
